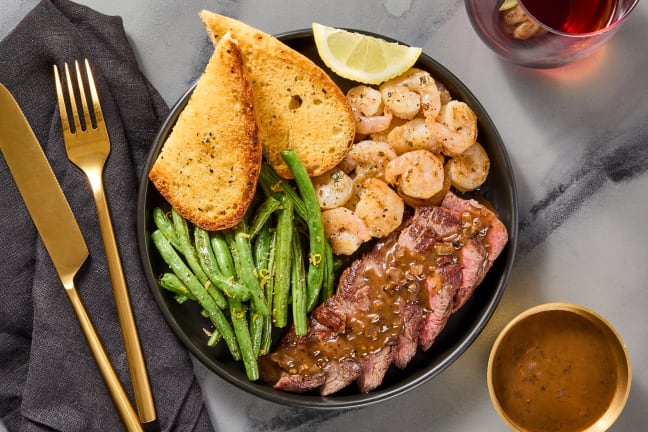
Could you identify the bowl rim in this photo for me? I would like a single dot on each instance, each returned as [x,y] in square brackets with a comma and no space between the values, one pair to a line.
[357,399]
[623,385]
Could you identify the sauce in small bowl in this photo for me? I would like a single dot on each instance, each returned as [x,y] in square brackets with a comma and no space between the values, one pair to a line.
[559,367]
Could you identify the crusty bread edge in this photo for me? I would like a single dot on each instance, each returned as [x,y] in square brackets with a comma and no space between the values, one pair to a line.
[247,32]
[253,162]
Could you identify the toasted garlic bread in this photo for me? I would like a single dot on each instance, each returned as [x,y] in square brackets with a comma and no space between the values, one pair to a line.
[209,165]
[298,104]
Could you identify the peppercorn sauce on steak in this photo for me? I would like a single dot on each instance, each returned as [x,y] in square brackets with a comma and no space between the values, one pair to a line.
[299,105]
[209,165]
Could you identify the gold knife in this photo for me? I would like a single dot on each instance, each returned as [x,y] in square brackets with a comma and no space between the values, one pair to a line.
[58,229]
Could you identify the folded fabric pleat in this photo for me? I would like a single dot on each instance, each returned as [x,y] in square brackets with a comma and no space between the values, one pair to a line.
[48,377]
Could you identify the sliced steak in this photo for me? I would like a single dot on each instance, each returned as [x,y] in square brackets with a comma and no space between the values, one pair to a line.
[441,286]
[496,235]
[395,299]
[301,383]
[339,374]
[407,343]
[473,260]
[373,369]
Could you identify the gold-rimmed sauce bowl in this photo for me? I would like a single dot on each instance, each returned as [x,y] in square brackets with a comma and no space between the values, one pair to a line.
[559,366]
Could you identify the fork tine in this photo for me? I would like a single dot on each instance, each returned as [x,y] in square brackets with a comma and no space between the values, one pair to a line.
[65,123]
[72,98]
[94,96]
[83,113]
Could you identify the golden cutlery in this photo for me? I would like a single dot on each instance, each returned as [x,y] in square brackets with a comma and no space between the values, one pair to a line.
[88,147]
[58,229]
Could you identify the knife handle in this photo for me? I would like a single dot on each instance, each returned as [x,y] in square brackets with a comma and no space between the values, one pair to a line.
[120,398]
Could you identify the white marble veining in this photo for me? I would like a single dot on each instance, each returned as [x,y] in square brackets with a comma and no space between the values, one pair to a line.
[578,140]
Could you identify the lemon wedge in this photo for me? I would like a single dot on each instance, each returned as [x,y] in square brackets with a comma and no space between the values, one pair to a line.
[507,4]
[362,58]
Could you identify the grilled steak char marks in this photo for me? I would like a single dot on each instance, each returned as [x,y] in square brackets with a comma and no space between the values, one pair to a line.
[392,301]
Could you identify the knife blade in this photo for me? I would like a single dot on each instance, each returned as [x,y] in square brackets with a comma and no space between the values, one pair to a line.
[57,226]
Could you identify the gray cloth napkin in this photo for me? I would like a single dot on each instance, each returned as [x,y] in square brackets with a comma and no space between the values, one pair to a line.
[48,377]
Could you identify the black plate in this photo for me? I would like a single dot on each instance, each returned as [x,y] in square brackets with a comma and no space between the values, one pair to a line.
[463,327]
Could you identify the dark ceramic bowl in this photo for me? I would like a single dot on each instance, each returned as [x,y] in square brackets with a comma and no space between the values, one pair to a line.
[461,330]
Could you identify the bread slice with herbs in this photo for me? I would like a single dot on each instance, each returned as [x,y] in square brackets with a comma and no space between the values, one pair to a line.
[299,105]
[209,165]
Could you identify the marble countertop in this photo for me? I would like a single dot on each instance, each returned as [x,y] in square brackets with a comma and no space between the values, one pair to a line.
[578,140]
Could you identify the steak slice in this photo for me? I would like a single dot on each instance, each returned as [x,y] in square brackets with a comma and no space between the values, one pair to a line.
[441,287]
[339,375]
[301,383]
[373,369]
[406,346]
[495,235]
[392,301]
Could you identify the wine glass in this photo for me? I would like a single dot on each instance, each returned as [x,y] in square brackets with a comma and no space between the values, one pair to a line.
[546,33]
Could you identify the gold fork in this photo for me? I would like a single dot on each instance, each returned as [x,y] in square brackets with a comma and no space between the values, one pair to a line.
[88,146]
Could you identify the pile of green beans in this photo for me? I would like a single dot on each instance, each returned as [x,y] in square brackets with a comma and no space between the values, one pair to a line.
[273,266]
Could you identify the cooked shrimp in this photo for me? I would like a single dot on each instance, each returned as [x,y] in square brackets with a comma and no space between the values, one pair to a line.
[380,208]
[418,174]
[383,134]
[344,230]
[333,188]
[469,170]
[434,200]
[455,127]
[368,158]
[444,93]
[410,92]
[368,109]
[412,135]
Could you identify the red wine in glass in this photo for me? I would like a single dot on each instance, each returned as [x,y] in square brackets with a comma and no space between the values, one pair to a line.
[555,32]
[572,16]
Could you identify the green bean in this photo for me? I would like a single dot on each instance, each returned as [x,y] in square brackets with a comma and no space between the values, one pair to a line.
[328,284]
[338,264]
[274,185]
[205,253]
[162,223]
[283,258]
[171,282]
[298,287]
[315,226]
[247,272]
[173,260]
[186,248]
[262,246]
[170,256]
[223,254]
[238,314]
[260,325]
[229,286]
[256,330]
[210,266]
[179,298]
[214,338]
[223,326]
[268,278]
[239,321]
[263,213]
